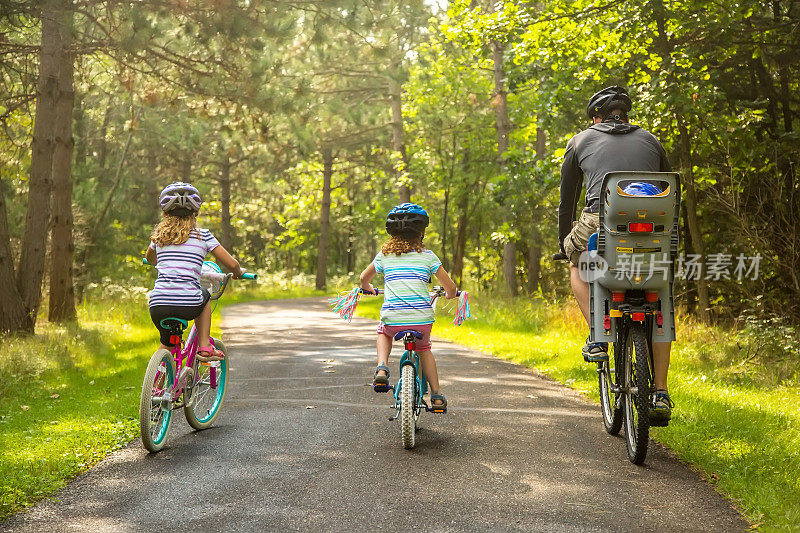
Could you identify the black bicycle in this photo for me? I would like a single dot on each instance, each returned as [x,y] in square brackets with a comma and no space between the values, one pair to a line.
[629,265]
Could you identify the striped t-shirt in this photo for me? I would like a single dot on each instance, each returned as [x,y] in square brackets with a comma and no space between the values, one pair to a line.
[406,301]
[179,265]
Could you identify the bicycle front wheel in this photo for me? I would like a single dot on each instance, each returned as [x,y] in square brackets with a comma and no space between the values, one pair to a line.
[637,396]
[211,381]
[607,375]
[155,404]
[408,406]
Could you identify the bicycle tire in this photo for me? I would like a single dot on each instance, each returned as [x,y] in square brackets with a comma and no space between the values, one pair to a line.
[606,376]
[408,411]
[154,421]
[637,405]
[197,414]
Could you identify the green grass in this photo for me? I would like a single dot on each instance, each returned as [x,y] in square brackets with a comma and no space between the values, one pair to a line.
[69,395]
[737,421]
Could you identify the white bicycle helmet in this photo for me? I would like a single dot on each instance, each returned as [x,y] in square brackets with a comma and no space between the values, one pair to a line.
[180,199]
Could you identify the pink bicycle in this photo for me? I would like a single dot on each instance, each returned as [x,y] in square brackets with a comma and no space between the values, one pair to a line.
[177,378]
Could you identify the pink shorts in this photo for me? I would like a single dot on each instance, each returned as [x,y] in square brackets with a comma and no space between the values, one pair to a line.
[423,344]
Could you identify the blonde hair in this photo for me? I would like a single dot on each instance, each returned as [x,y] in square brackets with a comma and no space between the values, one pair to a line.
[174,229]
[403,244]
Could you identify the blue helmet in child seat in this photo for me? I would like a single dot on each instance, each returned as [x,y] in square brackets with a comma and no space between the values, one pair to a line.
[180,199]
[407,220]
[642,188]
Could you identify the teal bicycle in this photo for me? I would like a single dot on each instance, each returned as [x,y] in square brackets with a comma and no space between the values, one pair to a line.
[409,392]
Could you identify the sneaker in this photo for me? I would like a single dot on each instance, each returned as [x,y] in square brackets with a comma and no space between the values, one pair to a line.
[661,408]
[595,352]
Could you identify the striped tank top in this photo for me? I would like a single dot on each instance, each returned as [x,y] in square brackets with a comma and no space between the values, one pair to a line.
[179,266]
[406,301]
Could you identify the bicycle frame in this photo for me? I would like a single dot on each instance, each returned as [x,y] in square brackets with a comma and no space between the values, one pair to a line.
[411,357]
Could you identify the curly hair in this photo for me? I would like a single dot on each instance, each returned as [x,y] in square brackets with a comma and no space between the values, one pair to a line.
[174,229]
[403,244]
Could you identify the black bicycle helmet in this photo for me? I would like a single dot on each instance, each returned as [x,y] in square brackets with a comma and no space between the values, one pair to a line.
[407,220]
[610,98]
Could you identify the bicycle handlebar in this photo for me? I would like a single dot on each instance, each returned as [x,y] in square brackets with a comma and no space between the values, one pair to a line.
[560,256]
[439,291]
[377,292]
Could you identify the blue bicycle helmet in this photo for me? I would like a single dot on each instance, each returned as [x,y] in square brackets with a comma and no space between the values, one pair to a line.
[642,188]
[407,220]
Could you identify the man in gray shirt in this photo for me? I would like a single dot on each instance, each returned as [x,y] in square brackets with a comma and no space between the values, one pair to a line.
[610,144]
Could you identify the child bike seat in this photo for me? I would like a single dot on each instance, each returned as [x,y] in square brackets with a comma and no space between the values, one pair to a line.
[174,324]
[400,334]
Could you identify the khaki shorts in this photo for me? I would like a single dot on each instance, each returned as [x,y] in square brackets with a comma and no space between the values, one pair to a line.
[575,243]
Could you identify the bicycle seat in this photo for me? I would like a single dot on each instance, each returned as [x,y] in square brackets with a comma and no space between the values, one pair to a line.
[400,334]
[174,324]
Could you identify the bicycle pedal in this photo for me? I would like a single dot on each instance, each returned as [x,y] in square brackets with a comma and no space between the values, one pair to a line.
[382,388]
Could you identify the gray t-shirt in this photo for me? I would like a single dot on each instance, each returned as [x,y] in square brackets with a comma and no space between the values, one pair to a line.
[607,147]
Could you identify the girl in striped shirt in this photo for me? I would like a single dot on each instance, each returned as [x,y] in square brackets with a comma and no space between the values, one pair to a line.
[177,250]
[407,268]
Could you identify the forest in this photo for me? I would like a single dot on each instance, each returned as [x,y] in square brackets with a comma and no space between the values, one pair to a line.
[302,123]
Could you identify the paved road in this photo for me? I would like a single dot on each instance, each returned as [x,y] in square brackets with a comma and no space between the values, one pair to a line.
[304,444]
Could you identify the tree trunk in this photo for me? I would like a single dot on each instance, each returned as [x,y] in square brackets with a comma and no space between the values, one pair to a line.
[12,312]
[40,185]
[500,102]
[690,197]
[691,292]
[445,262]
[461,242]
[401,166]
[225,186]
[503,127]
[186,169]
[62,252]
[541,143]
[324,218]
[103,152]
[510,266]
[351,239]
[534,260]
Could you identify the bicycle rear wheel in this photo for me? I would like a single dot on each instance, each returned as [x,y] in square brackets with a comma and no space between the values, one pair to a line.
[155,411]
[637,396]
[608,376]
[408,406]
[209,391]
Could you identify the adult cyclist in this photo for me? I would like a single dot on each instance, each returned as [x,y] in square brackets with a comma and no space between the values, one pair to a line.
[610,144]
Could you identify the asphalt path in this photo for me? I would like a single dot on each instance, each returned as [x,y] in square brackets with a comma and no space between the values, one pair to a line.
[303,443]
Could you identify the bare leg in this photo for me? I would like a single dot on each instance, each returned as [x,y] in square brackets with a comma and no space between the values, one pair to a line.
[430,371]
[384,349]
[661,351]
[580,289]
[203,323]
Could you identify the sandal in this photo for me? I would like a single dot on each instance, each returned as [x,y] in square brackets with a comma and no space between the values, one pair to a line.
[206,354]
[381,383]
[438,407]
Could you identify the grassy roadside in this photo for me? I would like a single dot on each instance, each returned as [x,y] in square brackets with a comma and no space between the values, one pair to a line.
[69,395]
[736,420]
